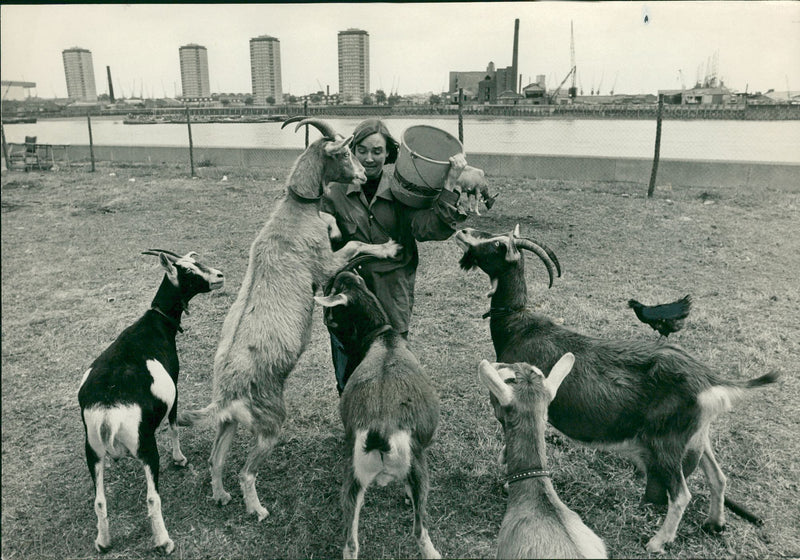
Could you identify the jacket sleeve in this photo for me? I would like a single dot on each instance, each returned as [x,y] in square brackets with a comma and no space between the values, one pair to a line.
[439,221]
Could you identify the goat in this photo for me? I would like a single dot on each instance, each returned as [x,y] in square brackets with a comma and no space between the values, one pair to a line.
[269,325]
[472,183]
[655,400]
[389,408]
[129,389]
[537,524]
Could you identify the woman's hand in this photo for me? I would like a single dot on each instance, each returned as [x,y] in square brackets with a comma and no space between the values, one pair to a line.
[457,164]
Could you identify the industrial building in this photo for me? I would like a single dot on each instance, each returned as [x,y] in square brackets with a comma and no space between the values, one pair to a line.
[353,65]
[195,82]
[79,72]
[265,69]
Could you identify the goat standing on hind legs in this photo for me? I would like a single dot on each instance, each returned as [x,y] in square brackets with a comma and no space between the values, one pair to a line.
[133,385]
[269,324]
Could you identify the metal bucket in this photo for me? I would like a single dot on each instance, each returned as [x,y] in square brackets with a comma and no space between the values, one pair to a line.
[423,158]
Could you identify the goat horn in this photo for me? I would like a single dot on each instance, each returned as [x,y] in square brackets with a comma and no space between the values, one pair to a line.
[534,248]
[326,129]
[549,252]
[155,252]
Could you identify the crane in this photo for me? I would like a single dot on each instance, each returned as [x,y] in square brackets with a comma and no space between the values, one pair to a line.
[573,92]
[555,93]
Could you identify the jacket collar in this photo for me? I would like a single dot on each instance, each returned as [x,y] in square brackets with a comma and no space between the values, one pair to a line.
[384,187]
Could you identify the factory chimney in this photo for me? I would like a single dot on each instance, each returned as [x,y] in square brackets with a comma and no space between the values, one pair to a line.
[110,86]
[514,60]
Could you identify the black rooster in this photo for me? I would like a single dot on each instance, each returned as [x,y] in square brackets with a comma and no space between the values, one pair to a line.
[666,318]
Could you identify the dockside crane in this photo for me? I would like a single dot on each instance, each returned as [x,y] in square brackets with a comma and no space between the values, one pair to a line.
[555,93]
[572,91]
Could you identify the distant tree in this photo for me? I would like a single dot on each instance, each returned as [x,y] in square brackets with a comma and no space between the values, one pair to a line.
[270,100]
[293,99]
[394,99]
[435,99]
[103,97]
[248,100]
[380,97]
[315,98]
[367,100]
[225,102]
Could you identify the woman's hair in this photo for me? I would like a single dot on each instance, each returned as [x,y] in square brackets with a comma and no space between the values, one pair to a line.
[373,126]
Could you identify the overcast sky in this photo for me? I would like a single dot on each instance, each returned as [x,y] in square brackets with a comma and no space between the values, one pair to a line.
[413,46]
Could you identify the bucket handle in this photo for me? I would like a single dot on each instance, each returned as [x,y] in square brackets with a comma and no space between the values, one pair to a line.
[415,155]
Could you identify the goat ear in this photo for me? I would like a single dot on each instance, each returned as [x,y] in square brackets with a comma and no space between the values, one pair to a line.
[336,145]
[491,379]
[558,372]
[169,268]
[331,301]
[512,253]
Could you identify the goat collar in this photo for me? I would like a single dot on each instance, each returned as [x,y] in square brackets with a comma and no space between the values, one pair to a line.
[503,311]
[302,199]
[530,473]
[169,319]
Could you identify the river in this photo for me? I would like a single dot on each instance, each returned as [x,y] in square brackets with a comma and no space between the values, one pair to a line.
[734,140]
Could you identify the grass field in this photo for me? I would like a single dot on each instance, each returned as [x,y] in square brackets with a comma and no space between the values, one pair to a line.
[73,278]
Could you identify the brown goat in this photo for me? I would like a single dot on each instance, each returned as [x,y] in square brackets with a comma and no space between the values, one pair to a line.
[389,408]
[537,523]
[269,324]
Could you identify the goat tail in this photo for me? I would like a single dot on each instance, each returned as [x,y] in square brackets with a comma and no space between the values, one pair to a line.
[743,512]
[766,379]
[376,441]
[198,416]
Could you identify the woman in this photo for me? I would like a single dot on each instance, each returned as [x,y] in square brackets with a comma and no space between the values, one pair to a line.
[370,213]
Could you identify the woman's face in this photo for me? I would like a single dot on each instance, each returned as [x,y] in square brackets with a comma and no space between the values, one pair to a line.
[371,152]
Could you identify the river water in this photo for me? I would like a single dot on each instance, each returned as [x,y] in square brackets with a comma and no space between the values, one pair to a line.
[757,141]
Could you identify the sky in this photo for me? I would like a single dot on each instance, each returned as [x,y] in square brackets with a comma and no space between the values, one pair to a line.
[413,46]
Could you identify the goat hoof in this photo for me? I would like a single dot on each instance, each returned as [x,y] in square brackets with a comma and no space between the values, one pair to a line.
[261,513]
[102,548]
[713,528]
[166,547]
[180,462]
[222,499]
[655,546]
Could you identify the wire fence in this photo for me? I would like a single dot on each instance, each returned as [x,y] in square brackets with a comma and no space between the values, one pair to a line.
[231,136]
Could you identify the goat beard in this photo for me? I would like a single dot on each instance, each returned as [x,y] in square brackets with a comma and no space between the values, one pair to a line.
[468,261]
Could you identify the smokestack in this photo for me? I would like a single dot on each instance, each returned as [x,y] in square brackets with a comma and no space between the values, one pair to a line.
[110,86]
[514,60]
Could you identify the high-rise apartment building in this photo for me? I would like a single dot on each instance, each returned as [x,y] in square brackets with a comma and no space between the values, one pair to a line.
[194,71]
[265,69]
[353,65]
[79,71]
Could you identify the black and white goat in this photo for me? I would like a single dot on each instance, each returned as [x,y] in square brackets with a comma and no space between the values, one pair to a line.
[654,400]
[130,388]
[269,325]
[389,408]
[537,524]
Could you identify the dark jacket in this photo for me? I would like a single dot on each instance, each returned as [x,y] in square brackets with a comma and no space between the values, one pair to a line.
[392,281]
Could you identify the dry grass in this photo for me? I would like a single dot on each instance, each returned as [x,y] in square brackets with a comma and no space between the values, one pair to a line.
[72,278]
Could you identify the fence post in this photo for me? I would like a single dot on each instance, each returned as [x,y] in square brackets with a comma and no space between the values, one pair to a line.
[91,142]
[654,172]
[191,146]
[460,116]
[305,113]
[5,146]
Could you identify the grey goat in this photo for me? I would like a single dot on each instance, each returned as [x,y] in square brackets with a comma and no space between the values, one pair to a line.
[389,408]
[537,523]
[269,324]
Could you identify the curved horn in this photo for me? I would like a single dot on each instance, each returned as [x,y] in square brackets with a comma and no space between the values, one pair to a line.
[549,252]
[292,119]
[326,129]
[155,252]
[534,248]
